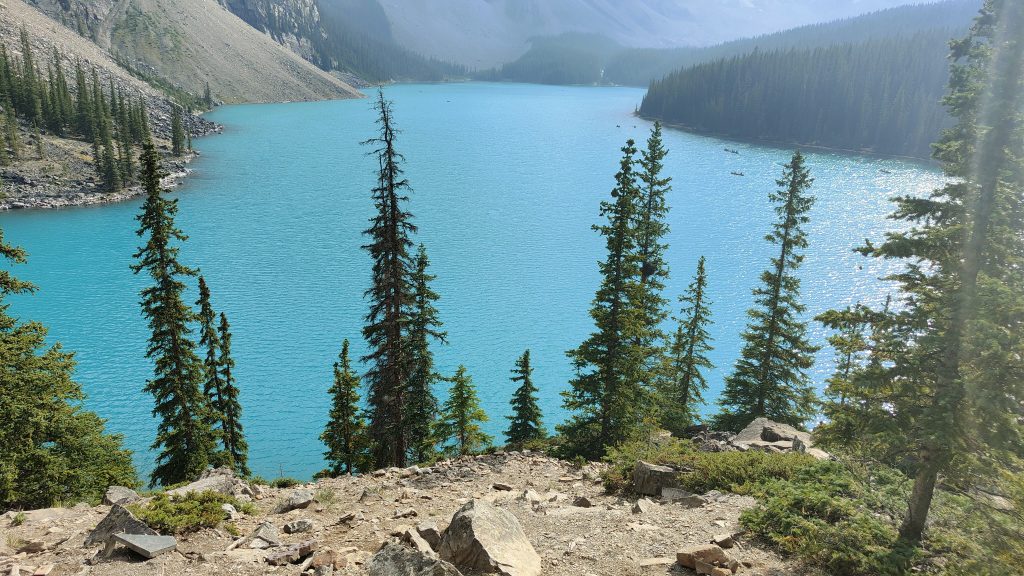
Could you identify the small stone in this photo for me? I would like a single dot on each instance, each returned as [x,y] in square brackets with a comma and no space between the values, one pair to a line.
[147,545]
[643,506]
[501,486]
[292,554]
[43,570]
[531,496]
[298,526]
[582,502]
[724,540]
[405,513]
[707,553]
[266,533]
[229,510]
[648,562]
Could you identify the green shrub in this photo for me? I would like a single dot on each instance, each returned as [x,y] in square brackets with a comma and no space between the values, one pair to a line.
[284,482]
[188,513]
[18,519]
[259,480]
[737,472]
[828,517]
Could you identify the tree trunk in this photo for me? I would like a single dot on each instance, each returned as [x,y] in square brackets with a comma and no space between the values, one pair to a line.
[920,501]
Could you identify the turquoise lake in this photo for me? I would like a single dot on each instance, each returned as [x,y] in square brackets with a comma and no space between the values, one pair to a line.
[507,180]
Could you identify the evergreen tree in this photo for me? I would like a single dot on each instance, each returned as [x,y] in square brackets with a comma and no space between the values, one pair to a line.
[608,394]
[345,433]
[208,97]
[954,384]
[230,409]
[525,424]
[209,340]
[421,411]
[30,96]
[461,417]
[84,107]
[38,137]
[184,437]
[770,378]
[177,132]
[684,383]
[391,295]
[12,137]
[51,450]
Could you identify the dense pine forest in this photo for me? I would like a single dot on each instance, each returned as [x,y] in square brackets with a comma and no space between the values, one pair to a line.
[880,96]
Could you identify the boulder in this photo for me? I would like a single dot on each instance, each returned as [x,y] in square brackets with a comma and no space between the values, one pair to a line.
[297,499]
[120,495]
[412,537]
[118,521]
[487,539]
[770,436]
[395,559]
[265,536]
[145,545]
[723,540]
[650,479]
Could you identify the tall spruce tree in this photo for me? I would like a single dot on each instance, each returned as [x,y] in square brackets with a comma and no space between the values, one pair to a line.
[770,378]
[391,297]
[684,382]
[345,433]
[421,404]
[525,423]
[461,417]
[608,395]
[955,380]
[209,341]
[185,440]
[230,409]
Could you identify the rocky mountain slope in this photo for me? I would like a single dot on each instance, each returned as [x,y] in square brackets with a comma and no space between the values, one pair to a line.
[485,33]
[189,43]
[530,515]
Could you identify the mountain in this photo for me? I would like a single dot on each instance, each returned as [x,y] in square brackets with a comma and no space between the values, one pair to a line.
[566,59]
[485,33]
[185,44]
[349,37]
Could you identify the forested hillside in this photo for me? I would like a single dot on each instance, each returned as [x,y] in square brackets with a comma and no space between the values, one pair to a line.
[882,96]
[595,59]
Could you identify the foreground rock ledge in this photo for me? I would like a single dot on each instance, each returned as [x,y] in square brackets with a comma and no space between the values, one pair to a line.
[488,539]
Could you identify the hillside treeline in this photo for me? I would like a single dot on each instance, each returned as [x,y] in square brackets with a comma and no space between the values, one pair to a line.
[882,96]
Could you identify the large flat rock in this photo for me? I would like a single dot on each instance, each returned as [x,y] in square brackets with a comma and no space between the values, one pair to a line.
[484,538]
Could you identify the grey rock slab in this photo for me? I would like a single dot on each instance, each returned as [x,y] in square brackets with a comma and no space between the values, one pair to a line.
[118,521]
[677,496]
[296,499]
[147,545]
[484,538]
[119,495]
[395,559]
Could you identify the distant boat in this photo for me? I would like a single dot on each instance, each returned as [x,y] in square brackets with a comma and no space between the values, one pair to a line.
[884,171]
[738,174]
[731,151]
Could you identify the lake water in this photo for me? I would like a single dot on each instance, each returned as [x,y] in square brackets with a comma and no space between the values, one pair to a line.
[507,183]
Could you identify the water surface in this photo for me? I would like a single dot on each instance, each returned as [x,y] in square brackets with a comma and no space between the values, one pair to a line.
[507,180]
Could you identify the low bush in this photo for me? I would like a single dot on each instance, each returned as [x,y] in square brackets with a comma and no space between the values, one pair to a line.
[284,482]
[737,472]
[188,513]
[834,519]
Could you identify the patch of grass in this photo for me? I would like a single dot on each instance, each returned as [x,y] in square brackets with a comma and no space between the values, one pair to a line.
[326,496]
[259,480]
[284,482]
[188,513]
[18,519]
[232,529]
